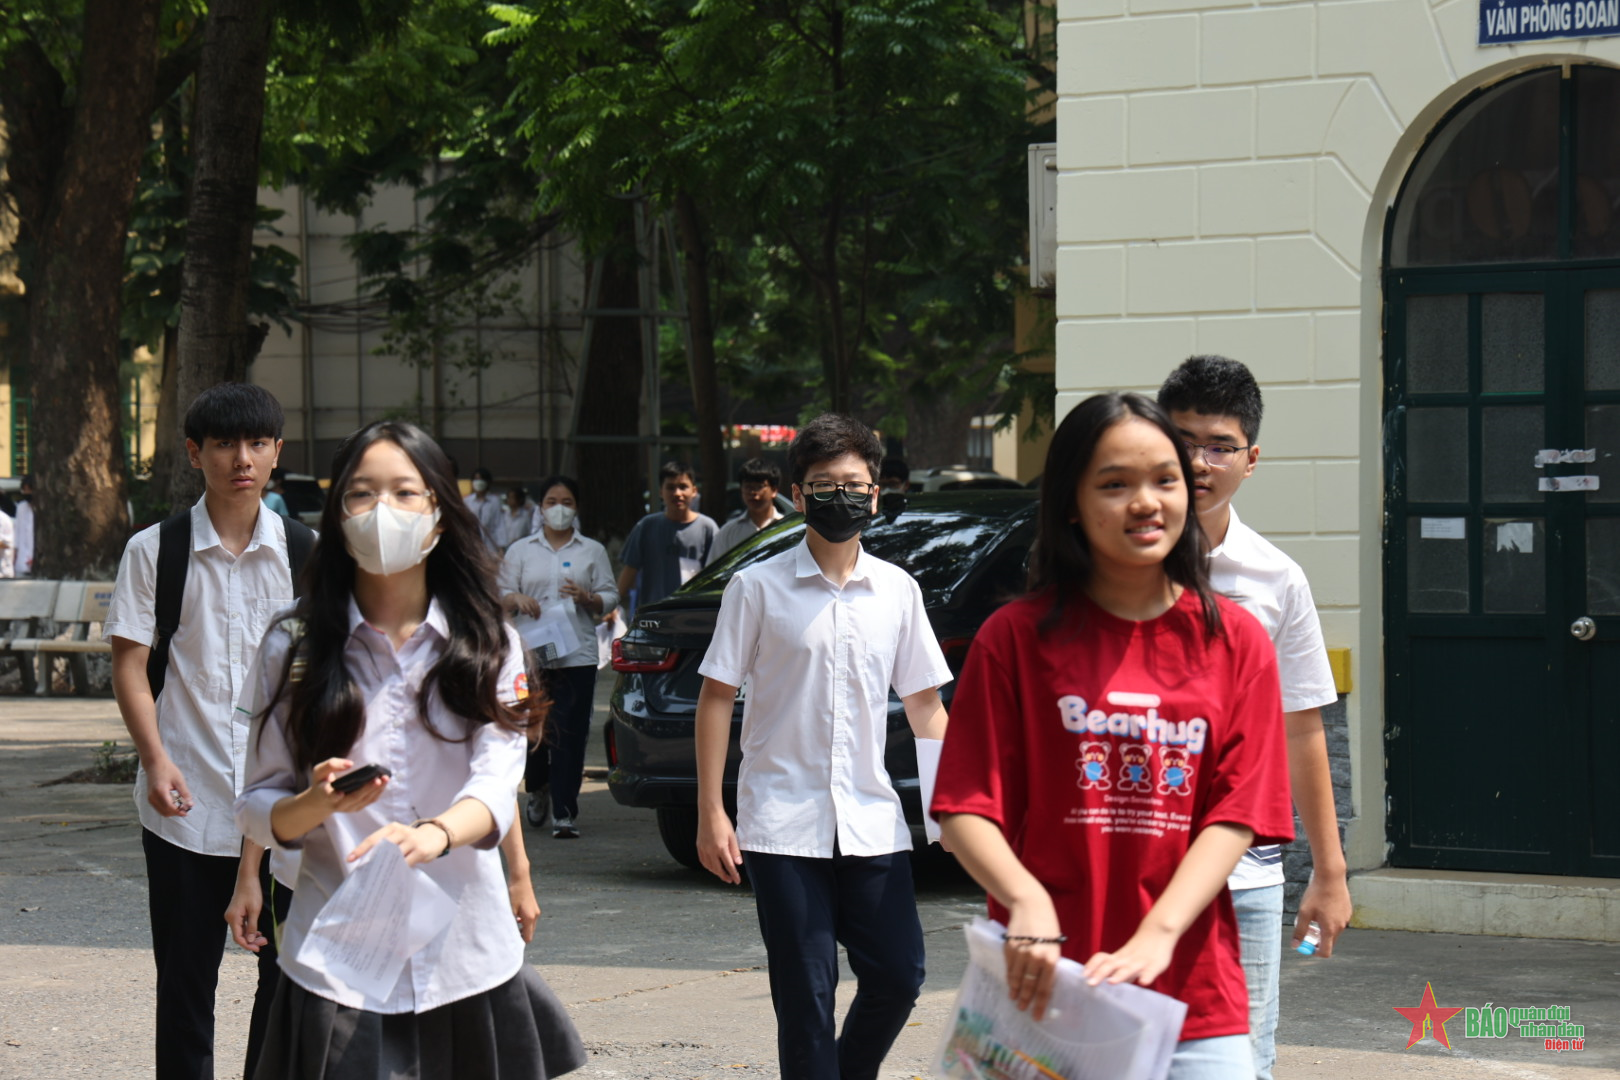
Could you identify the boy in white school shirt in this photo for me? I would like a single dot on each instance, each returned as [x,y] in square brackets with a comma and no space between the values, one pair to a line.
[821,633]
[1215,404]
[191,740]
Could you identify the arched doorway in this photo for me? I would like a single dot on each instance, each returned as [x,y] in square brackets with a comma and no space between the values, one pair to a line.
[1502,598]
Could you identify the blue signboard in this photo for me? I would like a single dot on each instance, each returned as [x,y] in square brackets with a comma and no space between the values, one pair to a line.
[1502,22]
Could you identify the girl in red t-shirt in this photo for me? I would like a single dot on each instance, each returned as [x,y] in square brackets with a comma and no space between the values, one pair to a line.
[1116,740]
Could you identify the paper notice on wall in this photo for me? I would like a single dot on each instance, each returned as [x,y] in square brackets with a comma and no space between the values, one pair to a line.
[1519,536]
[1567,483]
[1443,528]
[1565,457]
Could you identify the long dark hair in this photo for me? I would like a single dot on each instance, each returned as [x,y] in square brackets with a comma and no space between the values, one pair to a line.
[327,712]
[1061,565]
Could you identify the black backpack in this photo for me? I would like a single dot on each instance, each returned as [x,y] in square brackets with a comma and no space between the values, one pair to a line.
[173,562]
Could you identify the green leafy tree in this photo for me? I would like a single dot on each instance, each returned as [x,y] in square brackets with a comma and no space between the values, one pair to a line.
[78,86]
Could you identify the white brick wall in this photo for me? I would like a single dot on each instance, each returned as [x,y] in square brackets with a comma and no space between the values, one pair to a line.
[1225,167]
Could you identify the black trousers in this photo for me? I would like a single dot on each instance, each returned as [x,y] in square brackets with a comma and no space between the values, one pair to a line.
[188,894]
[559,760]
[807,908]
[277,900]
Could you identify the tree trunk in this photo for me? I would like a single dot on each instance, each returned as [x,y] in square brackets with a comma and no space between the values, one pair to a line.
[217,342]
[700,355]
[937,429]
[610,474]
[74,297]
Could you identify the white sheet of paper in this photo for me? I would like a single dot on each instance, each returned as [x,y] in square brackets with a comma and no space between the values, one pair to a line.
[1517,536]
[928,751]
[1090,1033]
[1443,528]
[553,628]
[689,569]
[383,914]
[1567,483]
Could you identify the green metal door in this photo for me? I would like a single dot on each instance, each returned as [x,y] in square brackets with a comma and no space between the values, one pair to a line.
[1503,494]
[1502,483]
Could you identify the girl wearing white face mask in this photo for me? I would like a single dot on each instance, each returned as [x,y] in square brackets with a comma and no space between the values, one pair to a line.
[398,656]
[558,569]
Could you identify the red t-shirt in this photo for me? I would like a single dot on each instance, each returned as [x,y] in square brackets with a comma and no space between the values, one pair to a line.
[1101,749]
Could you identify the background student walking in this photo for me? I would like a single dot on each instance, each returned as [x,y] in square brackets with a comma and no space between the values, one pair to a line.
[665,549]
[234,558]
[1216,406]
[559,566]
[1116,740]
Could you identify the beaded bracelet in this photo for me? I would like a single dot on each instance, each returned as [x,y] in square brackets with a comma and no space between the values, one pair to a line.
[1031,939]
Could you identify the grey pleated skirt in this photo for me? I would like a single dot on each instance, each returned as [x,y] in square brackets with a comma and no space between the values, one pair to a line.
[517,1031]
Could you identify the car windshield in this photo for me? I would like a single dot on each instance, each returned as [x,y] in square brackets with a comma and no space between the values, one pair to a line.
[937,546]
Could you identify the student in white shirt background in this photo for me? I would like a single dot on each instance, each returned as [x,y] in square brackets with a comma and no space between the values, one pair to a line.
[821,633]
[1216,405]
[486,506]
[24,563]
[401,618]
[520,517]
[191,747]
[759,481]
[559,566]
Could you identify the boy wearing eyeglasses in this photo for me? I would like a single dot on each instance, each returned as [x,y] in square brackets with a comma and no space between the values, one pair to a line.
[820,634]
[1215,403]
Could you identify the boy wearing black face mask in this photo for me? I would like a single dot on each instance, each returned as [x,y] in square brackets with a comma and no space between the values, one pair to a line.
[820,634]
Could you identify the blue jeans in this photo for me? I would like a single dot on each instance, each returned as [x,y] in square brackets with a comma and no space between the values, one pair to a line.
[807,908]
[1259,920]
[1225,1057]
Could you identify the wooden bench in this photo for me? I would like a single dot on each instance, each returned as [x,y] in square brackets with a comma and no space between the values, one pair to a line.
[72,606]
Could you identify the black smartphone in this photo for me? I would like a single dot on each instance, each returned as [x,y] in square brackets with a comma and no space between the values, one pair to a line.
[355,779]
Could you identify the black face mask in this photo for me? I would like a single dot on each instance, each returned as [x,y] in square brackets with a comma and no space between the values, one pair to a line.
[837,519]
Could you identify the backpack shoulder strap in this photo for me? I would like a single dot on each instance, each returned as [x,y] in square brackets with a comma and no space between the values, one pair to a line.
[173,561]
[300,542]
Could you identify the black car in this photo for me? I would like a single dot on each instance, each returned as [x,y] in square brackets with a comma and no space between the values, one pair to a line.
[968,552]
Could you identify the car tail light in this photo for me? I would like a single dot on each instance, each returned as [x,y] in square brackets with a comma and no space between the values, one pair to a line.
[955,650]
[640,656]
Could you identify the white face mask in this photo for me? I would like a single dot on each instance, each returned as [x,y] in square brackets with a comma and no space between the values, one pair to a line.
[385,541]
[558,516]
[480,485]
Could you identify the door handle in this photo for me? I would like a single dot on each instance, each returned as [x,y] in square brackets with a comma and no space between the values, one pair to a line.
[1583,629]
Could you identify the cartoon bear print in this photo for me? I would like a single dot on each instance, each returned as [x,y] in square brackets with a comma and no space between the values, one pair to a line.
[1093,767]
[1175,775]
[1134,773]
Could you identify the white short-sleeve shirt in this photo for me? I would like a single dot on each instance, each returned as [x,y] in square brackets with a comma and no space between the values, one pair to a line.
[481,948]
[1250,570]
[819,662]
[228,602]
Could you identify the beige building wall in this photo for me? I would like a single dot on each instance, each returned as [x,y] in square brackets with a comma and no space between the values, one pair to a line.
[334,372]
[1225,168]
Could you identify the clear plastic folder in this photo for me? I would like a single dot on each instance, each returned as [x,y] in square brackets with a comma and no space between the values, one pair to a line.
[1089,1033]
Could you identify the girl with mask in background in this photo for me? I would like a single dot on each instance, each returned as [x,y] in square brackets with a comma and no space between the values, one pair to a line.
[557,568]
[398,656]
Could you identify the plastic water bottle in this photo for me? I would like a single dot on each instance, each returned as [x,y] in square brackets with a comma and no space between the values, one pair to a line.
[1313,938]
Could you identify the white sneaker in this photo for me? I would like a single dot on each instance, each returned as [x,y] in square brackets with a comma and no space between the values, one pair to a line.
[538,808]
[564,829]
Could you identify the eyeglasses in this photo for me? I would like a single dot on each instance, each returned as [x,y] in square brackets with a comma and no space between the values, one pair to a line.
[1216,455]
[360,501]
[824,490]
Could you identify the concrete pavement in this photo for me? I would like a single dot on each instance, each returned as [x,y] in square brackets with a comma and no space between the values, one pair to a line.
[662,967]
